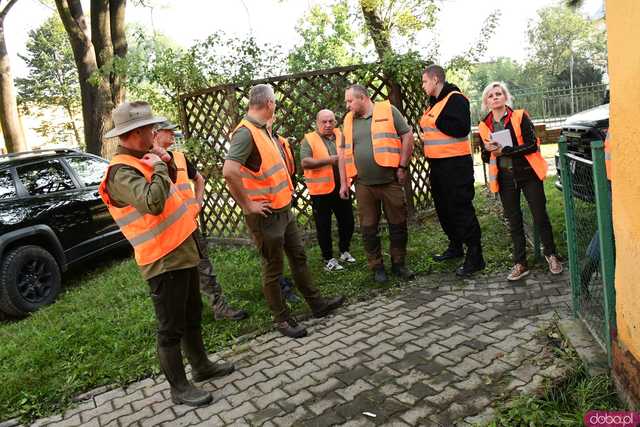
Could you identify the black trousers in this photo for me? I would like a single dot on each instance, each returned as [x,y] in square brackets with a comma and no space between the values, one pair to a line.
[176,300]
[452,188]
[529,183]
[325,205]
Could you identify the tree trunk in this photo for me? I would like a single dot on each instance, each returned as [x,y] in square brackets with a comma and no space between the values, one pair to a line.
[382,42]
[12,131]
[379,34]
[119,43]
[95,92]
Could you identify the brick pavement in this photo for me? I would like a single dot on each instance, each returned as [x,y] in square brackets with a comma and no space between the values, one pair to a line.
[439,352]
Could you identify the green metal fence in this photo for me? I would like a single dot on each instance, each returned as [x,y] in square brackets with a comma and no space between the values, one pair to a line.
[551,105]
[590,244]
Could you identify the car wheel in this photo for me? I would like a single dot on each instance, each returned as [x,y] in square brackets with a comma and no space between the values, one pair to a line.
[29,279]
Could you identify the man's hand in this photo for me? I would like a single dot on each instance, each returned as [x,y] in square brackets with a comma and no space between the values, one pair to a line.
[150,159]
[401,174]
[260,208]
[344,192]
[333,160]
[161,152]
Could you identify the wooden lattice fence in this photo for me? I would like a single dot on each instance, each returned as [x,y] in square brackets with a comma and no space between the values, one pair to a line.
[209,116]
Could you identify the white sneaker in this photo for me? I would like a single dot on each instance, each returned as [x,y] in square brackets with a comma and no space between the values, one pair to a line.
[346,257]
[333,265]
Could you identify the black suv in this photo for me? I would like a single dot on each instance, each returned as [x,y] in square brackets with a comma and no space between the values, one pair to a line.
[579,131]
[51,216]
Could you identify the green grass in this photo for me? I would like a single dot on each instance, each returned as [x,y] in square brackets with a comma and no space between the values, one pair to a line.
[564,403]
[101,330]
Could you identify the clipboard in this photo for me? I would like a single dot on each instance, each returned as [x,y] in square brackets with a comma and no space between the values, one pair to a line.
[503,138]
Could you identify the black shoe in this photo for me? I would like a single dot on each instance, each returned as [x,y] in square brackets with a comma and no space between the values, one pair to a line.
[450,253]
[379,275]
[473,262]
[328,305]
[291,329]
[402,271]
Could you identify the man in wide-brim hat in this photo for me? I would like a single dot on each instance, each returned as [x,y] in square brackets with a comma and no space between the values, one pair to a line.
[155,213]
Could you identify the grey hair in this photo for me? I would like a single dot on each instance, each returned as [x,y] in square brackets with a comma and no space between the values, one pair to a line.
[505,90]
[260,95]
[359,89]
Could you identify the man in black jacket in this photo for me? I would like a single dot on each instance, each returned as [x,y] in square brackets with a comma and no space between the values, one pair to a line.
[445,134]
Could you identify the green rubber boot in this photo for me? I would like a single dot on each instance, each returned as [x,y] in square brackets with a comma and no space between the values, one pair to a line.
[202,368]
[182,391]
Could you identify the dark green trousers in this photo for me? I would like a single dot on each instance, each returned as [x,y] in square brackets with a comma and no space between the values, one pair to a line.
[176,301]
[275,236]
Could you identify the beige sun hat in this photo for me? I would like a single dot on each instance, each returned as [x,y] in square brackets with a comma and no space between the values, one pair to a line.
[132,115]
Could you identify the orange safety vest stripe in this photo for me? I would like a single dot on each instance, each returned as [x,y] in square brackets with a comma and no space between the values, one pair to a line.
[537,162]
[184,183]
[152,236]
[386,142]
[436,144]
[320,180]
[272,183]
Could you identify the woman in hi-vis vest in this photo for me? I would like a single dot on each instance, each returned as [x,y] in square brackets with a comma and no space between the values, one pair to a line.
[511,148]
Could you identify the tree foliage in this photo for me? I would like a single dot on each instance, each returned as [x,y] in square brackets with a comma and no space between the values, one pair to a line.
[52,81]
[329,39]
[397,20]
[502,69]
[158,71]
[558,33]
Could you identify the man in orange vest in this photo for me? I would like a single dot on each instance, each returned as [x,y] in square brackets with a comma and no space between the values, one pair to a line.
[155,214]
[209,285]
[445,128]
[319,158]
[375,154]
[257,170]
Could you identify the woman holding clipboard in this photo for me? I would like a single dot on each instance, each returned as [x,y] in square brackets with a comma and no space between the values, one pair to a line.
[511,148]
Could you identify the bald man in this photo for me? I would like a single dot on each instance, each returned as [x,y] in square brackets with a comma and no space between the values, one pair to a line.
[319,159]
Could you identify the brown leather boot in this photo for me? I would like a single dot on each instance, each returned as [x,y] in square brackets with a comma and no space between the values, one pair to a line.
[223,311]
[327,305]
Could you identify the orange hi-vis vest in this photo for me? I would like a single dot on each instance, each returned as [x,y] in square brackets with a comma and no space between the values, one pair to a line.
[607,155]
[291,165]
[320,180]
[152,236]
[436,144]
[384,139]
[536,160]
[186,191]
[272,183]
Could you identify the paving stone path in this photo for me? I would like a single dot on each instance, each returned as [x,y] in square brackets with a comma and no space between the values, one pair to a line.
[439,352]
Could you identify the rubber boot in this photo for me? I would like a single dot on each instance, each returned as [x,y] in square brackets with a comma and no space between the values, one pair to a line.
[201,367]
[182,391]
